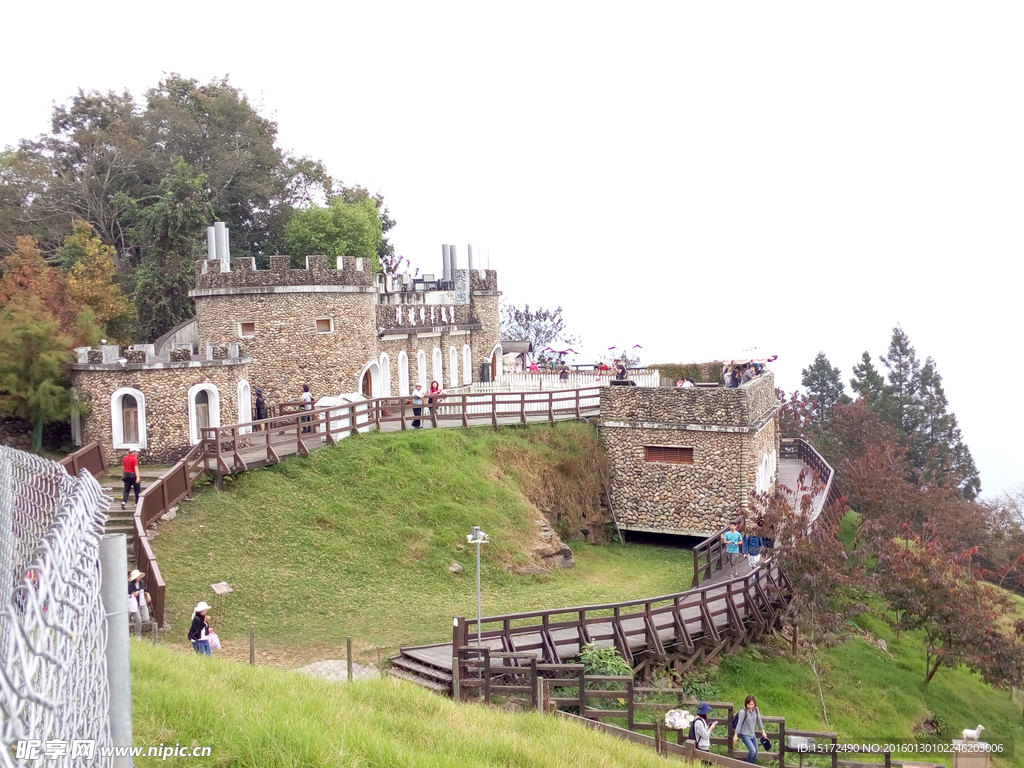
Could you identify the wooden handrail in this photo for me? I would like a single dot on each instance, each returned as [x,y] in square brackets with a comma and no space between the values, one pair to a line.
[88,457]
[170,488]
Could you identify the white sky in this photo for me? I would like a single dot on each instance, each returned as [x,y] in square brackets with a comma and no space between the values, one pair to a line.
[695,178]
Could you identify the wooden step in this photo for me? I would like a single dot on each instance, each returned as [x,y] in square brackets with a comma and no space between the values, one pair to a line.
[431,684]
[423,670]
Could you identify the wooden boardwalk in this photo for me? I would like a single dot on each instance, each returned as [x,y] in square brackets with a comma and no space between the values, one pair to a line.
[693,608]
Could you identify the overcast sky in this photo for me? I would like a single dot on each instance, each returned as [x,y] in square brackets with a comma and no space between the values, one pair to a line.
[692,178]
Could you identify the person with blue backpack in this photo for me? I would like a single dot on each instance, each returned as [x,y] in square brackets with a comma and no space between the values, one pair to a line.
[744,725]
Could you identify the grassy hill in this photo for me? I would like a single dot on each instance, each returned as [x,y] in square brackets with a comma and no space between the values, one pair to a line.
[357,540]
[255,717]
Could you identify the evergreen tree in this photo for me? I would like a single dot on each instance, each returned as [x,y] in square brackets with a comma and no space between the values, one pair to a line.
[824,386]
[32,353]
[867,382]
[900,404]
[945,457]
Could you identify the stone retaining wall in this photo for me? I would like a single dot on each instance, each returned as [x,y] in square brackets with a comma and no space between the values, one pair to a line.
[695,405]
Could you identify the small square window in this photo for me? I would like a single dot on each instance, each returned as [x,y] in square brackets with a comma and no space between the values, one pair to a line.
[247,329]
[325,325]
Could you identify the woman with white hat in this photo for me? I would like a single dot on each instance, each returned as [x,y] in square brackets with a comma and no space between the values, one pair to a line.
[199,633]
[137,589]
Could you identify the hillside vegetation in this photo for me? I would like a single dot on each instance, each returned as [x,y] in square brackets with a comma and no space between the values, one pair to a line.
[357,540]
[266,718]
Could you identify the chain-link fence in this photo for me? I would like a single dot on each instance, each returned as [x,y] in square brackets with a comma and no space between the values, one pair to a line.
[53,675]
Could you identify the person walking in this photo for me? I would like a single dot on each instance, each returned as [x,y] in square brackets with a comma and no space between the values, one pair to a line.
[199,632]
[700,729]
[261,408]
[130,465]
[732,539]
[417,406]
[748,722]
[137,589]
[306,398]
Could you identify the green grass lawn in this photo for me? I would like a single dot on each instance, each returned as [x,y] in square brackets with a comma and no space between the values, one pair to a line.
[253,717]
[357,540]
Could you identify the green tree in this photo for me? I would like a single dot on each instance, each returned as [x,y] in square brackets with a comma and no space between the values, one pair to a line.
[867,381]
[90,269]
[900,404]
[340,229]
[944,455]
[173,228]
[824,386]
[32,353]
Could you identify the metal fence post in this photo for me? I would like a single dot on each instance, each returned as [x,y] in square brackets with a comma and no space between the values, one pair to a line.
[252,643]
[114,572]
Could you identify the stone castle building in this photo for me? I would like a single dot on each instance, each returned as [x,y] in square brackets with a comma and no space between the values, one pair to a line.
[685,461]
[334,325]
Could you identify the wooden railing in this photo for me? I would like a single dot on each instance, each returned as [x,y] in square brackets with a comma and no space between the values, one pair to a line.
[798,448]
[88,457]
[708,557]
[156,500]
[700,622]
[639,709]
[296,431]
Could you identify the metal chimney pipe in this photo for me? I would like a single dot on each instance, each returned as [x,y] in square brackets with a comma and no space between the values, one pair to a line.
[446,263]
[469,257]
[220,234]
[211,243]
[227,245]
[455,262]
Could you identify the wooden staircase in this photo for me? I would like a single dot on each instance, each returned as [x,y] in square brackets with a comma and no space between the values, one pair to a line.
[421,673]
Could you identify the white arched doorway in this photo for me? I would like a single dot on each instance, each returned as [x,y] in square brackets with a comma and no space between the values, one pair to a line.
[385,375]
[453,367]
[128,418]
[369,380]
[467,364]
[244,406]
[203,409]
[497,362]
[403,374]
[437,374]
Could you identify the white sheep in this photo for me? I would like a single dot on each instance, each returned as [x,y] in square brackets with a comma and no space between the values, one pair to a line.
[970,735]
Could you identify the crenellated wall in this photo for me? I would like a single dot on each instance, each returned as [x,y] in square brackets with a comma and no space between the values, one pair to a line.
[346,271]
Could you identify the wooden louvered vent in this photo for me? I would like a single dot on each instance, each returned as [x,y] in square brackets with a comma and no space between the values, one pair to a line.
[669,454]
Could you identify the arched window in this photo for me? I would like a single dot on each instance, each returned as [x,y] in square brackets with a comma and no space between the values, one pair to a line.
[244,406]
[437,374]
[467,365]
[128,419]
[453,367]
[203,410]
[421,369]
[403,374]
[385,375]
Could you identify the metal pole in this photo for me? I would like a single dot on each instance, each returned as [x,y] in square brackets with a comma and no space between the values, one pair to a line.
[252,643]
[113,575]
[348,646]
[479,632]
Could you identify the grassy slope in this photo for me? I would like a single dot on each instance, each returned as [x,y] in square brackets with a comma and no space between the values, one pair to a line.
[251,716]
[358,539]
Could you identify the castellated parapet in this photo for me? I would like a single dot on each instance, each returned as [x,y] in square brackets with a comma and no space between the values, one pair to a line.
[686,461]
[346,271]
[333,325]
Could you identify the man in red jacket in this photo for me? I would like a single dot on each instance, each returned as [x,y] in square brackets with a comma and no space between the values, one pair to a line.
[130,463]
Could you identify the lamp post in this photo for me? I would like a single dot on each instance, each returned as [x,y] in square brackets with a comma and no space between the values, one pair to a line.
[478,537]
